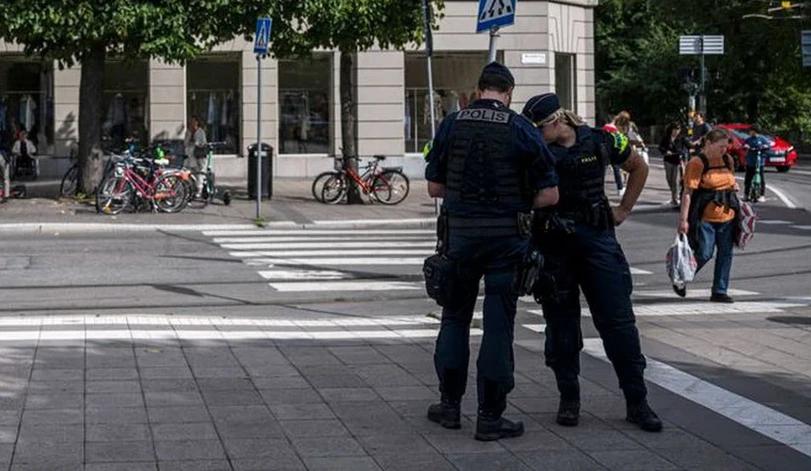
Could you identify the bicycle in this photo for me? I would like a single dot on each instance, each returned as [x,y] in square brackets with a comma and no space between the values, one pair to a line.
[208,189]
[388,185]
[135,181]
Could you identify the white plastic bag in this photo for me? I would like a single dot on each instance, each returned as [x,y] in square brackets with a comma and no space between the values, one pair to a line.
[746,226]
[680,262]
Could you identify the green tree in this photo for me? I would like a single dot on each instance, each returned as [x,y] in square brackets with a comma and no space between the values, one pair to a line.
[756,80]
[351,26]
[88,31]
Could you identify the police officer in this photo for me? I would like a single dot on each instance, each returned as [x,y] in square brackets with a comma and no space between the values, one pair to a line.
[491,167]
[581,252]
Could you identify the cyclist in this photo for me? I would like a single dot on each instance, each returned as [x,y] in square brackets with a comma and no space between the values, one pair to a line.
[195,144]
[756,144]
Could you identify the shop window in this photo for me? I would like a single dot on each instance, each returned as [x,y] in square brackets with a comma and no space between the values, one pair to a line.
[26,101]
[565,80]
[212,88]
[455,77]
[304,105]
[126,105]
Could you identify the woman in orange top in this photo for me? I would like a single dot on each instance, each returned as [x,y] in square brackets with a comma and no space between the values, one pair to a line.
[709,183]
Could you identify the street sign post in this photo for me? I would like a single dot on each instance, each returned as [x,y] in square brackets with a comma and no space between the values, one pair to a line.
[806,47]
[261,44]
[701,45]
[494,14]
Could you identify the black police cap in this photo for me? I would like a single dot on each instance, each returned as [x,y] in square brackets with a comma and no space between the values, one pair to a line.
[540,107]
[494,68]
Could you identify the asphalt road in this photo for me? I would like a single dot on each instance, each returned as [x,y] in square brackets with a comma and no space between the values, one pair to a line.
[732,382]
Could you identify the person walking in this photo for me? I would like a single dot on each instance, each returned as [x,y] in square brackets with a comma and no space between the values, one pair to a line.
[195,146]
[578,241]
[491,167]
[709,208]
[672,148]
[755,146]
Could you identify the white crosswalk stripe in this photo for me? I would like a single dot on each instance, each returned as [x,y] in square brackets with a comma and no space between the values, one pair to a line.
[172,330]
[299,260]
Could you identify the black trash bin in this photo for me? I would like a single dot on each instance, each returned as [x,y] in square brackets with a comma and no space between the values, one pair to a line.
[267,171]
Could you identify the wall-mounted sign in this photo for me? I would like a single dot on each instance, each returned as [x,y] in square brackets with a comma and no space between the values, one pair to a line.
[533,58]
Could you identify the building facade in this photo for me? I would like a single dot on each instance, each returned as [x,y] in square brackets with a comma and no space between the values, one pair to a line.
[550,47]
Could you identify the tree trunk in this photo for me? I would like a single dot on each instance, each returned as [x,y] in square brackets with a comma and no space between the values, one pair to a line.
[348,124]
[91,115]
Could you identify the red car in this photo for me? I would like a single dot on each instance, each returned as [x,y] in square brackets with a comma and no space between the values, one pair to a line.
[782,154]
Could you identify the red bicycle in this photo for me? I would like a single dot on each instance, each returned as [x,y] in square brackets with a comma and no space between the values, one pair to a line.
[134,181]
[387,185]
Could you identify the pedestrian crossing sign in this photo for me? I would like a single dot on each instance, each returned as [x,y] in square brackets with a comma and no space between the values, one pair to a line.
[261,40]
[495,13]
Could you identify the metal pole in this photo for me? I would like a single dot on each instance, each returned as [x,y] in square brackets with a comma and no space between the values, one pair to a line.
[703,101]
[491,57]
[258,136]
[429,60]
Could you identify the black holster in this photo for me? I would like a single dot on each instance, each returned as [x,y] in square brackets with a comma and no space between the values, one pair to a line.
[438,269]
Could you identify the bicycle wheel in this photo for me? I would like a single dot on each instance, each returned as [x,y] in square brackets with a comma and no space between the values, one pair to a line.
[318,184]
[114,195]
[69,182]
[170,193]
[334,189]
[195,201]
[391,187]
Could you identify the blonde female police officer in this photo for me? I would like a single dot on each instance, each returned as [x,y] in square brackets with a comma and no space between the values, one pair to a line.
[491,166]
[581,251]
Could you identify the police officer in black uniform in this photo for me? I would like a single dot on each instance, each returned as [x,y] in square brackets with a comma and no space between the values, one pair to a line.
[491,167]
[581,252]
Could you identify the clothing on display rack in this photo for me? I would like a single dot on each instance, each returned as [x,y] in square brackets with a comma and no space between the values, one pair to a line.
[28,116]
[452,102]
[407,118]
[438,114]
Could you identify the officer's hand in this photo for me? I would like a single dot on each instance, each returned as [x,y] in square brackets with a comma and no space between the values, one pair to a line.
[620,215]
[684,226]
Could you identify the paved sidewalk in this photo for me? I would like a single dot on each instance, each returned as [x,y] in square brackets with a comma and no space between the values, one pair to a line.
[294,391]
[292,201]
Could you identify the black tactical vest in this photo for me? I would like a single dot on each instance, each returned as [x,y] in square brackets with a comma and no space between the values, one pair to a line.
[480,165]
[582,176]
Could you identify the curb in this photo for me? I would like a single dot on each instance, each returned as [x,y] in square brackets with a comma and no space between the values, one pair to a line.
[79,227]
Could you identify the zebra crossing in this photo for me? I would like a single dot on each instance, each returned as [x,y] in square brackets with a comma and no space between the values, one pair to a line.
[331,260]
[334,260]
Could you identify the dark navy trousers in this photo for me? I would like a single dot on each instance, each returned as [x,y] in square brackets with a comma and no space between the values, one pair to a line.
[591,260]
[495,259]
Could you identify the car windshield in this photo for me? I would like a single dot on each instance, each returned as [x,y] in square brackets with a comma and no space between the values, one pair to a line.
[740,134]
[743,134]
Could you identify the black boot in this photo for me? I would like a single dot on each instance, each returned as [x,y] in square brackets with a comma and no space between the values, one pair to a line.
[568,412]
[490,428]
[446,413]
[642,415]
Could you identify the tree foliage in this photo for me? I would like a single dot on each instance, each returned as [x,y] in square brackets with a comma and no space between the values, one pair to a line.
[87,31]
[759,79]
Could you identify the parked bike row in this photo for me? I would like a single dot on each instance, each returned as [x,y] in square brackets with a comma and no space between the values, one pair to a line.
[385,185]
[151,180]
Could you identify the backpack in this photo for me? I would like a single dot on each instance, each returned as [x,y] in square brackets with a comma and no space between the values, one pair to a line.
[706,163]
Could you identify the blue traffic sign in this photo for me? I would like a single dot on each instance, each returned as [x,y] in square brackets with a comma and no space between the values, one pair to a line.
[495,13]
[261,40]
